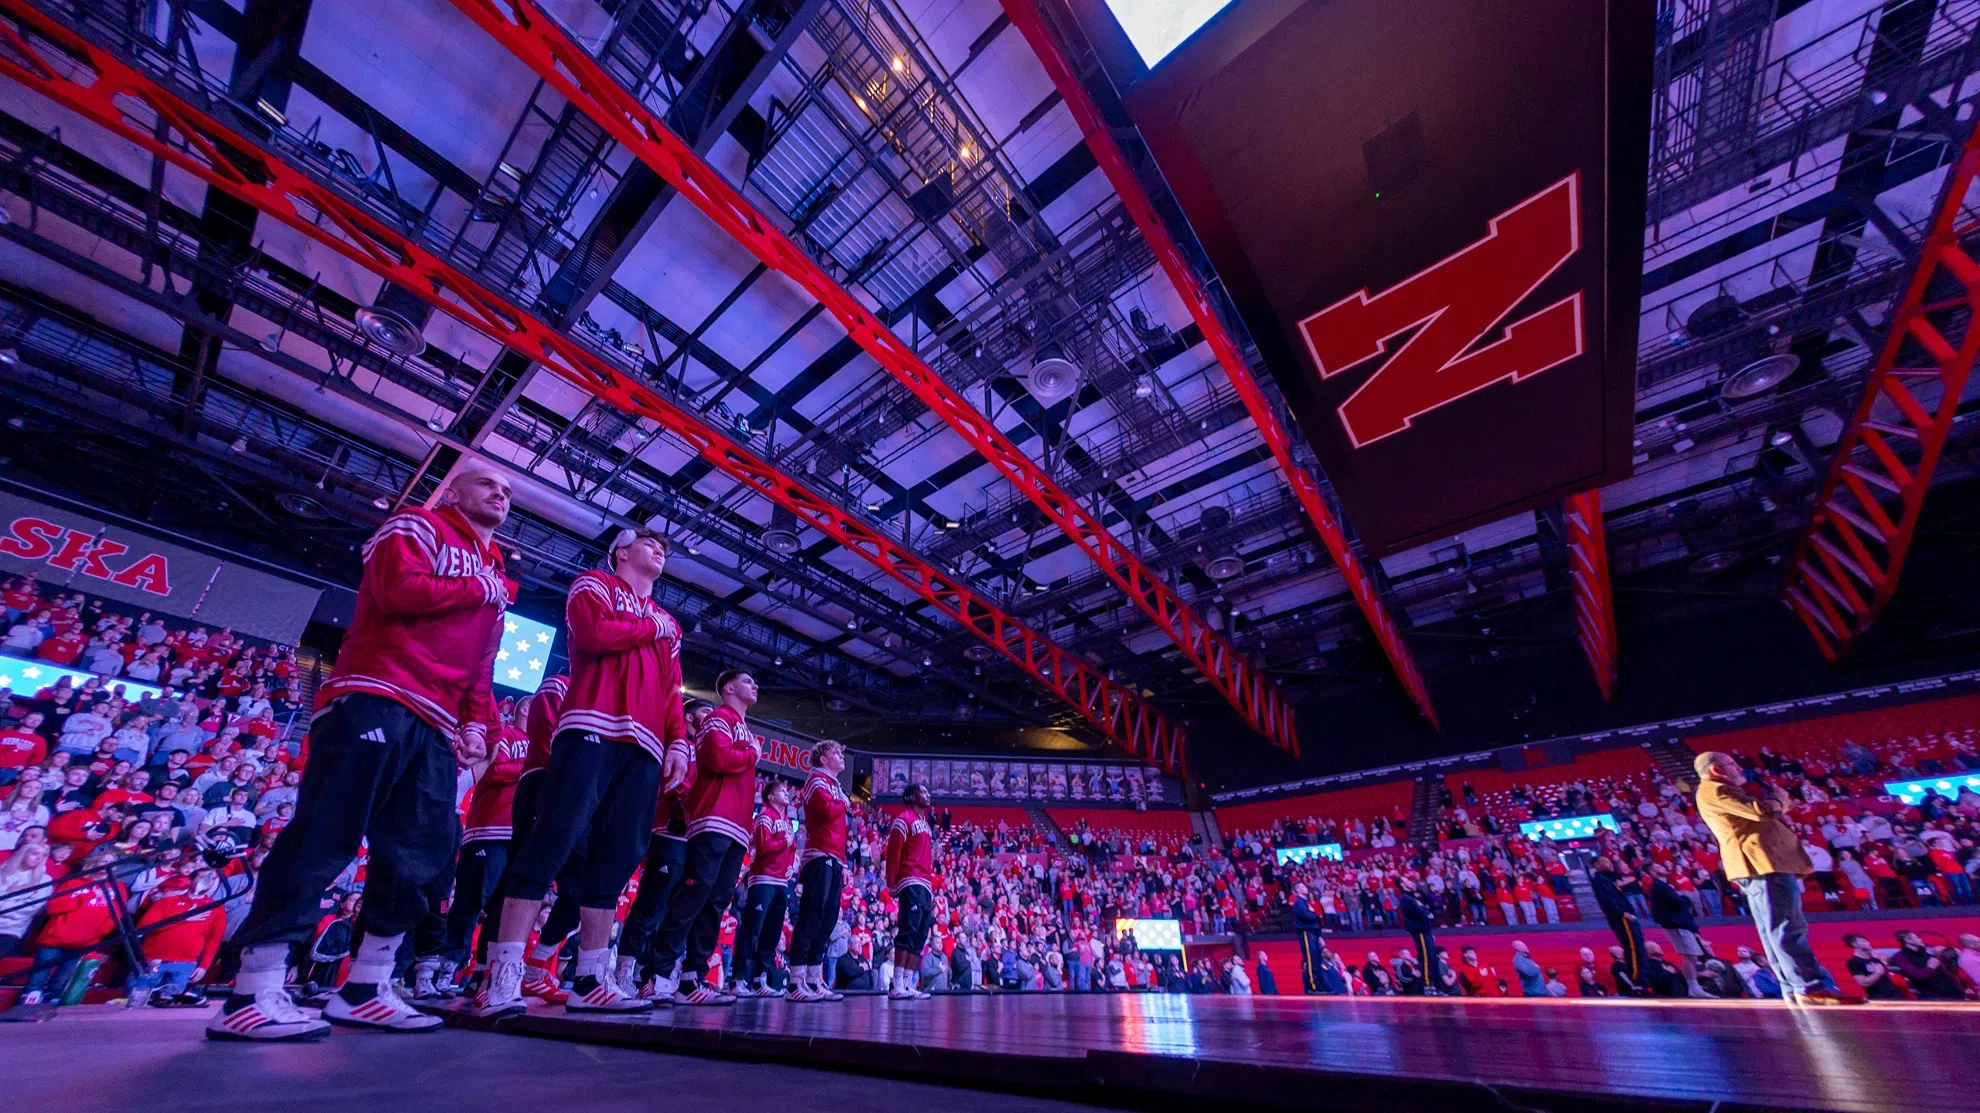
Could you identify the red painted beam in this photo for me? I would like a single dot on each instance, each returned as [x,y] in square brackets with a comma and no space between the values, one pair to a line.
[1026,17]
[526,31]
[1846,567]
[1594,606]
[101,86]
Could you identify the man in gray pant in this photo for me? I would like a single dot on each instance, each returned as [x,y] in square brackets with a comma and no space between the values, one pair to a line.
[1763,856]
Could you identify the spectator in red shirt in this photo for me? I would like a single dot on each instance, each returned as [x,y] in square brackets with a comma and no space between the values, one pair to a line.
[63,648]
[20,597]
[182,929]
[79,917]
[21,746]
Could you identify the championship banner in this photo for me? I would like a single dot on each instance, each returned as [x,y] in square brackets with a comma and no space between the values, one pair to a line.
[73,551]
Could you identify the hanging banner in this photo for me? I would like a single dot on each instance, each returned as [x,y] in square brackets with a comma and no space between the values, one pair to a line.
[1429,214]
[72,551]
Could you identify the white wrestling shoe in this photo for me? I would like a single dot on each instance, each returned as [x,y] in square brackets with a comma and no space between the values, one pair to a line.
[377,1007]
[502,995]
[591,994]
[265,1017]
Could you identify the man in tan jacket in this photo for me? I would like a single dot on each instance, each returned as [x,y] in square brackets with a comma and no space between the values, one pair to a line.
[1763,856]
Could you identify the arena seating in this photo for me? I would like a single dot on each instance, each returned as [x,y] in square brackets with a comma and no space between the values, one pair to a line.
[1123,820]
[1389,801]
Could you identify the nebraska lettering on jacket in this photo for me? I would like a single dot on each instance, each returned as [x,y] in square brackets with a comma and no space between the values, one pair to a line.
[489,809]
[770,849]
[429,621]
[910,853]
[824,804]
[625,666]
[538,719]
[723,797]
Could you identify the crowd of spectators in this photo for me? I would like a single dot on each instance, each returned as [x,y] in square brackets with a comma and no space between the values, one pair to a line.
[195,782]
[164,800]
[1909,968]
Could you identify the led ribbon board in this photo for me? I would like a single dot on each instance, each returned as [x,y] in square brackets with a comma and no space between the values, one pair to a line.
[1568,827]
[525,652]
[1913,792]
[26,677]
[1289,855]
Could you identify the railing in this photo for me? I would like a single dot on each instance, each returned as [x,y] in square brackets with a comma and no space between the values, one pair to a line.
[127,937]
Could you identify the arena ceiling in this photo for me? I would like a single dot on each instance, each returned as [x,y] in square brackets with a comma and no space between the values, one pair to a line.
[918,153]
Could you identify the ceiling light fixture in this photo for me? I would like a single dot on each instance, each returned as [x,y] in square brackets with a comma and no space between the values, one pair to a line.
[382,503]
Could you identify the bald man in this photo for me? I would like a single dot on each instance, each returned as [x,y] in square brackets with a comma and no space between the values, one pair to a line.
[408,705]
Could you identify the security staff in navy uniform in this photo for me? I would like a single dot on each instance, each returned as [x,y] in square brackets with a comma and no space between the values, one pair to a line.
[1306,921]
[1418,922]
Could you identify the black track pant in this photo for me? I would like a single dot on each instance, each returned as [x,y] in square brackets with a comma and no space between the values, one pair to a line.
[378,774]
[693,922]
[596,809]
[564,913]
[760,928]
[481,866]
[820,885]
[916,916]
[665,857]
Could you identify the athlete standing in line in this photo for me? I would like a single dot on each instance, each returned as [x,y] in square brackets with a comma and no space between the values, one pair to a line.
[910,862]
[661,875]
[622,712]
[720,804]
[766,893]
[821,873]
[483,858]
[538,719]
[408,704]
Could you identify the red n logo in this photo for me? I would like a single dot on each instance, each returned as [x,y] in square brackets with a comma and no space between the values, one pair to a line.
[1456,301]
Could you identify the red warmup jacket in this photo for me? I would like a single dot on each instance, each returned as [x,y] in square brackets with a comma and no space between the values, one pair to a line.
[428,624]
[910,853]
[723,798]
[771,852]
[489,809]
[625,666]
[539,720]
[79,914]
[824,804]
[195,939]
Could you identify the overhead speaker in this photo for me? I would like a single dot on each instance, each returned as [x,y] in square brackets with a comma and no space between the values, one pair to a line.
[302,506]
[1224,566]
[782,536]
[390,331]
[1760,376]
[1214,519]
[1711,564]
[1053,379]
